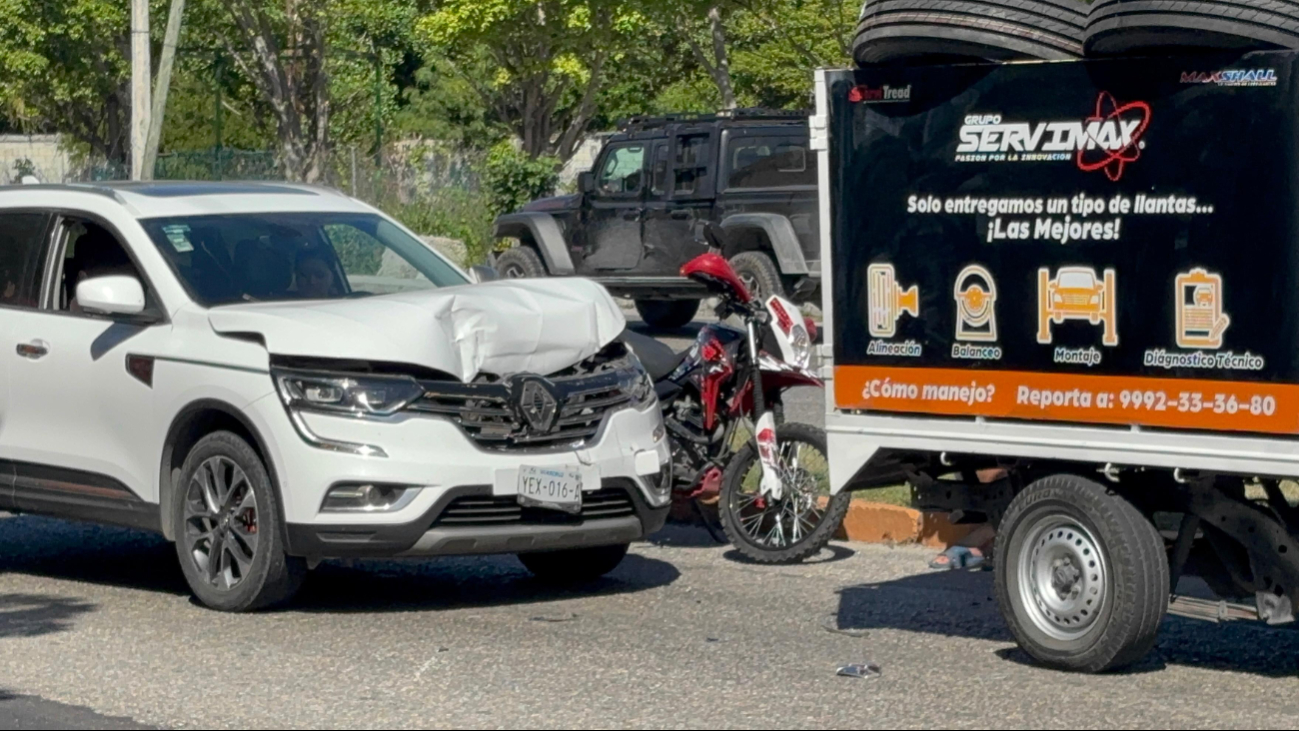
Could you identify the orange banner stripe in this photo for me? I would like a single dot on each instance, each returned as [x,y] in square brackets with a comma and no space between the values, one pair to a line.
[1123,400]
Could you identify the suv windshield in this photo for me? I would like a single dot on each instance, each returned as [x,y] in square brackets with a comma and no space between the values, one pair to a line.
[269,257]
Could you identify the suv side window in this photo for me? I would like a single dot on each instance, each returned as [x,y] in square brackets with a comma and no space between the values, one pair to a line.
[22,258]
[769,162]
[623,170]
[90,251]
[692,163]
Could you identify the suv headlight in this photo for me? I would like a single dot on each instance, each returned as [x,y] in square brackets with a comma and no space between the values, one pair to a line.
[356,395]
[638,384]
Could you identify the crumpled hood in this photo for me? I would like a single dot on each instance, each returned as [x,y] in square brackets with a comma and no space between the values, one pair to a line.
[517,326]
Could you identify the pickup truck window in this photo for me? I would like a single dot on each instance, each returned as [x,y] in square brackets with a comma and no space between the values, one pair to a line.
[264,257]
[623,169]
[768,162]
[22,246]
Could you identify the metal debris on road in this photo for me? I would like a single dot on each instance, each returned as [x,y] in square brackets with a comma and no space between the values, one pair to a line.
[859,670]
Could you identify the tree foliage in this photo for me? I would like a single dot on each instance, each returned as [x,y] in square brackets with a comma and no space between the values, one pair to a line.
[64,67]
[549,60]
[302,77]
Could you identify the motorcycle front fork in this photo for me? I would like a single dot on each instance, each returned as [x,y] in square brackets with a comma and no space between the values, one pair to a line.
[764,428]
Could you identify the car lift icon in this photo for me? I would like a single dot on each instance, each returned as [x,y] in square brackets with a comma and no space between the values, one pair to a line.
[976,300]
[888,301]
[1077,293]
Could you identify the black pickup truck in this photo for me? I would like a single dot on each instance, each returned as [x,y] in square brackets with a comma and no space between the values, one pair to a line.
[637,216]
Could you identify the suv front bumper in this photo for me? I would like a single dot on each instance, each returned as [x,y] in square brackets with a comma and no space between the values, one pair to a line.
[434,457]
[439,533]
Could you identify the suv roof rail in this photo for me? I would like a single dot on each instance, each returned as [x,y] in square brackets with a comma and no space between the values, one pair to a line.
[749,114]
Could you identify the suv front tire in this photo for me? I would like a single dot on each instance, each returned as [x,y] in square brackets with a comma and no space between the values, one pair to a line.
[229,529]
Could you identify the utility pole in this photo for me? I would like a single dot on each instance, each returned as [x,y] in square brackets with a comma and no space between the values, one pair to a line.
[169,40]
[140,80]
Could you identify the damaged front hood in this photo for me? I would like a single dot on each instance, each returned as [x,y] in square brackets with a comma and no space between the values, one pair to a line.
[517,326]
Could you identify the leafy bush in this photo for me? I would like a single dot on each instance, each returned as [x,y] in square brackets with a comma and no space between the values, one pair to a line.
[454,213]
[511,178]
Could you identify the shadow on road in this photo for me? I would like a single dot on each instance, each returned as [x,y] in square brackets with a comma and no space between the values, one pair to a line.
[116,557]
[34,615]
[963,604]
[90,553]
[457,583]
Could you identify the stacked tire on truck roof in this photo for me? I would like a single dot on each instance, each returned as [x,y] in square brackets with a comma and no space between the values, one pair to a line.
[1064,518]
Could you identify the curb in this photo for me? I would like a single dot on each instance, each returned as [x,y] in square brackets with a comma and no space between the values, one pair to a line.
[869,522]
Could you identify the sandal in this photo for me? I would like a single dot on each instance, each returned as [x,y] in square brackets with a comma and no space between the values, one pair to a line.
[958,558]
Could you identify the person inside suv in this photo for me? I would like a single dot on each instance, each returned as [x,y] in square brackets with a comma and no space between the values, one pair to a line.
[313,275]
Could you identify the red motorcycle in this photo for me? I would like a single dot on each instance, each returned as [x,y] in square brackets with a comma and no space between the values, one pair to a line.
[723,406]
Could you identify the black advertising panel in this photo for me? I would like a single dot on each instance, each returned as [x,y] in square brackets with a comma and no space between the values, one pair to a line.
[1101,241]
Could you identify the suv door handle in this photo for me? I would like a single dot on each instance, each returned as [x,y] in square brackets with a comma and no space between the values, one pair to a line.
[35,350]
[682,215]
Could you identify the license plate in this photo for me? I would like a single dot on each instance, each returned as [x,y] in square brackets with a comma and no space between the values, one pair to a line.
[551,488]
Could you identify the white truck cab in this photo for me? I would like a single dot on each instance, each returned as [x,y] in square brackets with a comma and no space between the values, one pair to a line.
[271,374]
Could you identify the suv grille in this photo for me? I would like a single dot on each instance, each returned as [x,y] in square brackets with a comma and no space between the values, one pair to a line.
[481,511]
[491,411]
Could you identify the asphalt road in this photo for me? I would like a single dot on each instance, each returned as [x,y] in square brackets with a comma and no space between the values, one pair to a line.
[97,630]
[681,636]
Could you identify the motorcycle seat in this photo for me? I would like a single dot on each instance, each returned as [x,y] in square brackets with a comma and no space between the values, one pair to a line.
[659,360]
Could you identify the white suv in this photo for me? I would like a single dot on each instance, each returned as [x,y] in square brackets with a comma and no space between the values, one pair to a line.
[270,375]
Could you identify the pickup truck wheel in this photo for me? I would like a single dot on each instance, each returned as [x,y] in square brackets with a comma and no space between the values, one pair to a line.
[521,262]
[759,274]
[574,566]
[667,314]
[1082,576]
[229,530]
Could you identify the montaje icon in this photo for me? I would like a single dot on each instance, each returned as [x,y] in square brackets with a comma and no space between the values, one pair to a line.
[976,299]
[888,301]
[1076,293]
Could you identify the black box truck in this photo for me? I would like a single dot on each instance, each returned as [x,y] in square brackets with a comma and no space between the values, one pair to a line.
[1081,277]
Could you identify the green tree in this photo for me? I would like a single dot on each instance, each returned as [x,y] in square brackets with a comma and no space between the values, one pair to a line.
[64,68]
[548,60]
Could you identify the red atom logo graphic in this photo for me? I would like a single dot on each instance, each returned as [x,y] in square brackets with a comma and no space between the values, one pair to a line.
[1113,161]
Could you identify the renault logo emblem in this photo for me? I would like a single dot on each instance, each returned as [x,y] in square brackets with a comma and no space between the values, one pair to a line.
[538,404]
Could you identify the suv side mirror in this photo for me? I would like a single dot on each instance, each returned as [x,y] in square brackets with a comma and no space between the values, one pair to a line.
[585,182]
[112,295]
[482,273]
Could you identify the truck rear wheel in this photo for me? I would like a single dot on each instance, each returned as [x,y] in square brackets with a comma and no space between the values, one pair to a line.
[521,262]
[1082,576]
[667,314]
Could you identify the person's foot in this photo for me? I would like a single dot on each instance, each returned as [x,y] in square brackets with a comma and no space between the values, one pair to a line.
[957,558]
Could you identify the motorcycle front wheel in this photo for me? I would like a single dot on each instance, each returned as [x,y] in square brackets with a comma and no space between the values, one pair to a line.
[803,520]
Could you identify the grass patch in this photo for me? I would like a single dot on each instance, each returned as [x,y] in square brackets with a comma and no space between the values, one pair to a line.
[899,495]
